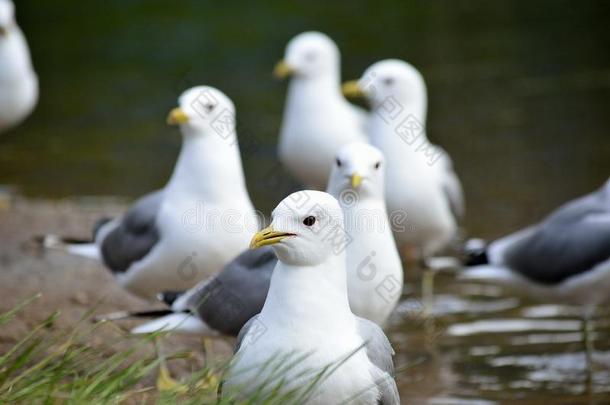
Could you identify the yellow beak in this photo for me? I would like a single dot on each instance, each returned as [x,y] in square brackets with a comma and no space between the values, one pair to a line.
[177,117]
[282,70]
[268,236]
[352,89]
[356,180]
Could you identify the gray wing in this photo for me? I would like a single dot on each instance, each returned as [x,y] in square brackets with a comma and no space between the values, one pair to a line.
[380,352]
[571,240]
[452,187]
[228,300]
[134,235]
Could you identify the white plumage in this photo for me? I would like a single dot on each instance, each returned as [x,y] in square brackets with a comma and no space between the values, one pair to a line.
[307,315]
[18,81]
[317,119]
[423,193]
[374,269]
[202,219]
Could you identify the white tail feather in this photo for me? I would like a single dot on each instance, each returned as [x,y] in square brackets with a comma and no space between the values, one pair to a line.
[181,323]
[443,263]
[487,272]
[88,250]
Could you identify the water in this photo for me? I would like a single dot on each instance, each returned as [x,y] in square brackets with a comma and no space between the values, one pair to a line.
[519,95]
[482,344]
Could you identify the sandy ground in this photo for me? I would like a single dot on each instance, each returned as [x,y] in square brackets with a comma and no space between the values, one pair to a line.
[71,285]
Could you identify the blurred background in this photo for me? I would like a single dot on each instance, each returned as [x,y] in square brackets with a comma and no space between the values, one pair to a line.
[519,95]
[519,91]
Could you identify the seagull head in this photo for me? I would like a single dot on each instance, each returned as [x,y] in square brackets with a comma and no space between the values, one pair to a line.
[309,54]
[388,79]
[204,110]
[7,17]
[358,167]
[306,229]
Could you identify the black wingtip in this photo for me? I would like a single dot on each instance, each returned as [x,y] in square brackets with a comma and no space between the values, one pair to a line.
[121,315]
[475,252]
[169,297]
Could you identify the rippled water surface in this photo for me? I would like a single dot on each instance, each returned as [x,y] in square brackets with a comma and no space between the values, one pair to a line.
[483,345]
[519,95]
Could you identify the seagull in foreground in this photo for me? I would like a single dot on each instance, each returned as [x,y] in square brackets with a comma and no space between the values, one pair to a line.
[317,118]
[421,185]
[177,236]
[18,81]
[565,258]
[340,357]
[222,305]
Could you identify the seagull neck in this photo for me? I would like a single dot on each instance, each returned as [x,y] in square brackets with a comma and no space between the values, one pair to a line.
[15,54]
[316,295]
[203,156]
[319,92]
[368,212]
[402,133]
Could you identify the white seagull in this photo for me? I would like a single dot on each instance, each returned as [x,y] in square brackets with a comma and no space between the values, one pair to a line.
[317,119]
[18,81]
[222,305]
[341,358]
[175,237]
[565,258]
[423,192]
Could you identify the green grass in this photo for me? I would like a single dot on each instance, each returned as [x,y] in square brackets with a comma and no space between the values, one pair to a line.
[48,366]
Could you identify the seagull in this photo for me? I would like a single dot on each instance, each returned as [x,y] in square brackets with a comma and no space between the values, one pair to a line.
[221,305]
[565,258]
[423,193]
[341,357]
[173,238]
[317,118]
[18,81]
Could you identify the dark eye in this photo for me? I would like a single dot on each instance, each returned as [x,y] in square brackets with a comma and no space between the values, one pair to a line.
[309,221]
[338,162]
[388,81]
[209,107]
[377,165]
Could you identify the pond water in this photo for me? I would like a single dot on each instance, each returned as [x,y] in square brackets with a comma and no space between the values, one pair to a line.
[519,95]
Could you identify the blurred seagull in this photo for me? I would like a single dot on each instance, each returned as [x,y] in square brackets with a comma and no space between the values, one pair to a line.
[18,81]
[565,258]
[317,118]
[175,237]
[420,181]
[341,358]
[221,305]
